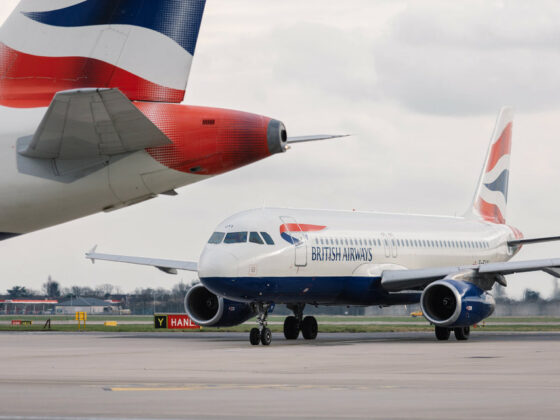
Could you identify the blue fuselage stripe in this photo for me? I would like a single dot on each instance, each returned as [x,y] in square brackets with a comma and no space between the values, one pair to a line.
[320,290]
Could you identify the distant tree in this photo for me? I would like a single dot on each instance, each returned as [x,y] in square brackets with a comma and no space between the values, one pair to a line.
[51,288]
[531,296]
[180,290]
[17,292]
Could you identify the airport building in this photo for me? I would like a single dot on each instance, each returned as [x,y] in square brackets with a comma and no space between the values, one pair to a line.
[86,304]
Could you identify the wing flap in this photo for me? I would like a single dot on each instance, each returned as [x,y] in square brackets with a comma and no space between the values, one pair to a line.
[91,123]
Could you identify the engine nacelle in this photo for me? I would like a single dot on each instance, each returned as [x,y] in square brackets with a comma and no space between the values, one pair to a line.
[209,310]
[455,303]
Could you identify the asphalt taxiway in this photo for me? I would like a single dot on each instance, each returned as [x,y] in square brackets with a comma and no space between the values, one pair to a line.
[219,375]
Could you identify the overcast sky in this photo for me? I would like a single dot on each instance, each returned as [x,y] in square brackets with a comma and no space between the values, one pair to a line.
[417,83]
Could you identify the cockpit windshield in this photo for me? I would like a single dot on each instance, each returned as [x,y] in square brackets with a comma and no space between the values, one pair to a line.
[267,238]
[255,238]
[259,238]
[216,238]
[235,238]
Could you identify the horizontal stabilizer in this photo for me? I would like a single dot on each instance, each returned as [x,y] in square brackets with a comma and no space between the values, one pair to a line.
[167,266]
[518,242]
[397,280]
[303,139]
[90,123]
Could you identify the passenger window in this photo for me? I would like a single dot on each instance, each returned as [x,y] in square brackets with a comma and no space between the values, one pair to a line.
[216,238]
[267,238]
[235,238]
[255,238]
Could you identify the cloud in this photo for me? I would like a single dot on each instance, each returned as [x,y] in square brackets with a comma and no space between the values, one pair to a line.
[467,58]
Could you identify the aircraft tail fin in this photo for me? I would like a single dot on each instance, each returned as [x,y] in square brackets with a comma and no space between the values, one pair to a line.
[490,199]
[143,47]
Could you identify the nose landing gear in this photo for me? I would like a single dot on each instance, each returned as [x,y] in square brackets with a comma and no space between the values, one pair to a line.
[264,335]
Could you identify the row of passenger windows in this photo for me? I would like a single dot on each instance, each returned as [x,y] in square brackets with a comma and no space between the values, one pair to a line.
[241,237]
[411,243]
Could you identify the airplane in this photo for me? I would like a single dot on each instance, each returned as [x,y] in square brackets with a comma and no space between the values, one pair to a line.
[90,94]
[298,257]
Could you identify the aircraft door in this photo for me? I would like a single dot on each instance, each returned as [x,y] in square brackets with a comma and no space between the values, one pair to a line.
[298,238]
[394,248]
[386,245]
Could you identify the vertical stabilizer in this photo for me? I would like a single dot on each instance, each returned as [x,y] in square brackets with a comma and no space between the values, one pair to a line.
[490,199]
[143,47]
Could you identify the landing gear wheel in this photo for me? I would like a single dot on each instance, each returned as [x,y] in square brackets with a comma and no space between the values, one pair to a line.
[443,333]
[462,333]
[291,328]
[255,336]
[309,328]
[266,336]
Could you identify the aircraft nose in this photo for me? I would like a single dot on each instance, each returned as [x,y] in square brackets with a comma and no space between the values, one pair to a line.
[277,137]
[217,262]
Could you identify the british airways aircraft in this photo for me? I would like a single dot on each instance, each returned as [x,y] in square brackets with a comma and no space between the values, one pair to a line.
[90,115]
[261,257]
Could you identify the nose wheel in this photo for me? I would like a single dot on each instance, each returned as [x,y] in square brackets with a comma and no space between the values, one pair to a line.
[261,335]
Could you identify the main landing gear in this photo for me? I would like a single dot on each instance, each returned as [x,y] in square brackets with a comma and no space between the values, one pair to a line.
[292,325]
[262,335]
[461,333]
[296,323]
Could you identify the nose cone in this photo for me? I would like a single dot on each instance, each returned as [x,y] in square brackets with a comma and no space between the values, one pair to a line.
[277,137]
[217,262]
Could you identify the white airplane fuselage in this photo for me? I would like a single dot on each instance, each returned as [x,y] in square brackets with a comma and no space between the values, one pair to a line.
[38,193]
[337,257]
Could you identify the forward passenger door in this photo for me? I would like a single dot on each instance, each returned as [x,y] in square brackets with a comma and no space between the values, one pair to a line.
[299,240]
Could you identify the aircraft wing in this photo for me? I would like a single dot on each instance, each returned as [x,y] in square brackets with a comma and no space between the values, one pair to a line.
[397,280]
[303,139]
[90,123]
[167,266]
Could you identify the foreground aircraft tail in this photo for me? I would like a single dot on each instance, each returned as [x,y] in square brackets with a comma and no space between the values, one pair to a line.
[490,199]
[143,47]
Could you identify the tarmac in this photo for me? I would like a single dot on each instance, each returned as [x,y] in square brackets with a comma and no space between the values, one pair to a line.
[49,375]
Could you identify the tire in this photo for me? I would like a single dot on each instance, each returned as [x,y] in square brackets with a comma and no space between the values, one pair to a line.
[266,337]
[309,328]
[462,333]
[291,328]
[255,336]
[443,333]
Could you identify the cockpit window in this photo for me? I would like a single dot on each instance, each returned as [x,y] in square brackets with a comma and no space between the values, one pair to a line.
[235,238]
[216,238]
[255,238]
[267,238]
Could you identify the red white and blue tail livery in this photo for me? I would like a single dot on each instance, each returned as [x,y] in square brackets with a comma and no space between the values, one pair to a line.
[143,47]
[490,201]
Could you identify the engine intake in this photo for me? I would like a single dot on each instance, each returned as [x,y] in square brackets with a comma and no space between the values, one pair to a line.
[454,303]
[209,310]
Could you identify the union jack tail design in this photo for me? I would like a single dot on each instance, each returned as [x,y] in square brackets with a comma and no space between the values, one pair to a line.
[143,47]
[490,200]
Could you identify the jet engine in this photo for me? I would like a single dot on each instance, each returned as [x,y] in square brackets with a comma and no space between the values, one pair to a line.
[454,303]
[209,310]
